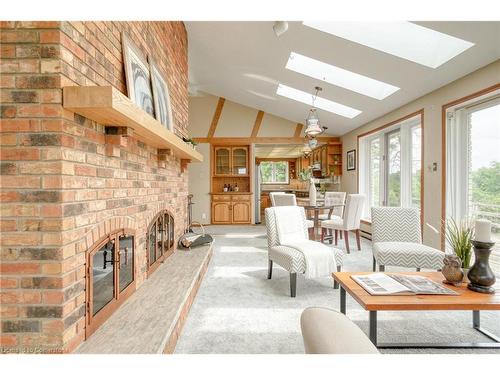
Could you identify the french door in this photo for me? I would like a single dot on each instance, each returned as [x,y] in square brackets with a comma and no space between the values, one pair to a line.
[110,276]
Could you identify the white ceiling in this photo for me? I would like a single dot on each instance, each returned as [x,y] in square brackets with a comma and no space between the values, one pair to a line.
[245,61]
[279,151]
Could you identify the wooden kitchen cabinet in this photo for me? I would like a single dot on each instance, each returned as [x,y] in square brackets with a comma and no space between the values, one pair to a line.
[231,208]
[241,212]
[221,212]
[222,160]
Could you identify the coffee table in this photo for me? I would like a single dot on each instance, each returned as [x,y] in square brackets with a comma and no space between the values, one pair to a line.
[467,300]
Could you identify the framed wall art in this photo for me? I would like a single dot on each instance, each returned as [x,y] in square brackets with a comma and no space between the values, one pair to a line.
[351,160]
[161,97]
[137,76]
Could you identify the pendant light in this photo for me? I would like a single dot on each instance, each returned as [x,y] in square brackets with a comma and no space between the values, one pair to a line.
[313,127]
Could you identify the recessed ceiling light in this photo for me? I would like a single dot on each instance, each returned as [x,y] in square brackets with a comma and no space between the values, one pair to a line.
[325,104]
[403,39]
[339,77]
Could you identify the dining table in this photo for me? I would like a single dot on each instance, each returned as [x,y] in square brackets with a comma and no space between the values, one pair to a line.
[315,209]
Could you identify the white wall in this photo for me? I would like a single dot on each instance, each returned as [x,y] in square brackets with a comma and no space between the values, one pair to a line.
[236,120]
[431,103]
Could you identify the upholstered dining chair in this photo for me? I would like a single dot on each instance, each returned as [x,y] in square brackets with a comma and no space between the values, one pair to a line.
[282,199]
[333,198]
[397,240]
[291,259]
[350,222]
[286,199]
[327,331]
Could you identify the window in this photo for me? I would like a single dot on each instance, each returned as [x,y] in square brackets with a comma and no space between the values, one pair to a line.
[473,165]
[390,165]
[404,39]
[322,103]
[274,172]
[339,77]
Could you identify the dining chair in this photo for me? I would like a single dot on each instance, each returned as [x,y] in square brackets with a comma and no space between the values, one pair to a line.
[350,222]
[334,198]
[282,199]
[287,199]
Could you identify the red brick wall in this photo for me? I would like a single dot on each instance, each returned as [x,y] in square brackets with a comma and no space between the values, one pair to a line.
[62,186]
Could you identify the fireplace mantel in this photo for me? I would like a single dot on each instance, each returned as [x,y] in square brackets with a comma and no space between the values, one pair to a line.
[108,106]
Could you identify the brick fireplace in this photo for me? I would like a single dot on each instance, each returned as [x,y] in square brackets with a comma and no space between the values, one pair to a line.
[66,183]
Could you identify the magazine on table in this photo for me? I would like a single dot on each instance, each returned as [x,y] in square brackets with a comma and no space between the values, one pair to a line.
[382,284]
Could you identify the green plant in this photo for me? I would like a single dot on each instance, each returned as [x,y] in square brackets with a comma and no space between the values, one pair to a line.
[190,140]
[305,174]
[459,236]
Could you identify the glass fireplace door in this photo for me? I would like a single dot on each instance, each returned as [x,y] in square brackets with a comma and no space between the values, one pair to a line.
[110,277]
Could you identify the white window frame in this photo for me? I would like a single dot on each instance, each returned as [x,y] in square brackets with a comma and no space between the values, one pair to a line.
[457,140]
[405,130]
[273,173]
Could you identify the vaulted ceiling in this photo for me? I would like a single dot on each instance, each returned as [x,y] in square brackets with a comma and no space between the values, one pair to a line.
[245,61]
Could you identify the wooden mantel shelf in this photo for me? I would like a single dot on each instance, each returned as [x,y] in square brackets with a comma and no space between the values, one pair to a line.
[108,106]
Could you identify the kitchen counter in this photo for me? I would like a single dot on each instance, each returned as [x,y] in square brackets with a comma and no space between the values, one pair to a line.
[233,193]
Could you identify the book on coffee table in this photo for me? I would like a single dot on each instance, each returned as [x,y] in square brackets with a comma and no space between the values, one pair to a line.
[382,284]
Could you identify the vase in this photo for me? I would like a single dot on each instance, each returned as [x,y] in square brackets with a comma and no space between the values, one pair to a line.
[465,272]
[480,275]
[312,193]
[452,271]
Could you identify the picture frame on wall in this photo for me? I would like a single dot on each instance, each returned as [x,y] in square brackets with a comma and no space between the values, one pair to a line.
[351,160]
[137,76]
[161,96]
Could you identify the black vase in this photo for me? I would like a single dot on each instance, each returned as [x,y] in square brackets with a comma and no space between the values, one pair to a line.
[480,275]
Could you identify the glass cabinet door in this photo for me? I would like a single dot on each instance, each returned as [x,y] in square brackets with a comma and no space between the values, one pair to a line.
[240,161]
[222,160]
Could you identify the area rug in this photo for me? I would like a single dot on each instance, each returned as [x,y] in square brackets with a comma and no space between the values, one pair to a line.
[238,310]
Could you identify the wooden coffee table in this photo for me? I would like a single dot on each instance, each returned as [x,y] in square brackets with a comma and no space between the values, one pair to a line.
[467,300]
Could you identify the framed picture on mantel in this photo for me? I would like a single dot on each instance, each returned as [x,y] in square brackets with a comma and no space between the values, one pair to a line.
[137,76]
[161,96]
[351,160]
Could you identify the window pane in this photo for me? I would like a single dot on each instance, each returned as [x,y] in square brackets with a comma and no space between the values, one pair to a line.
[274,172]
[394,169]
[375,159]
[266,172]
[281,171]
[484,173]
[416,165]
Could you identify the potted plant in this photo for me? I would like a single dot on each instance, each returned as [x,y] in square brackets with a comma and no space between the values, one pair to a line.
[190,141]
[305,174]
[459,236]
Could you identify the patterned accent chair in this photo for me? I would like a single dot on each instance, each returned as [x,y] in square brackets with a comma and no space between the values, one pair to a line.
[289,258]
[350,222]
[397,240]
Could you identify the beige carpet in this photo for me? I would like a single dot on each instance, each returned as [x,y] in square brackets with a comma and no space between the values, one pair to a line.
[237,310]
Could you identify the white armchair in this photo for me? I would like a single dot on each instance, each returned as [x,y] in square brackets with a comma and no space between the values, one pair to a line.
[350,222]
[287,257]
[397,240]
[327,331]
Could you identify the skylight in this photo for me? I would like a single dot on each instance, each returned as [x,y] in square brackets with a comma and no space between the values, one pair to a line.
[325,104]
[403,39]
[339,77]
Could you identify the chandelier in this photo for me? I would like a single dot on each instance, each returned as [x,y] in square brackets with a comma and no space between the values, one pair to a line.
[313,128]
